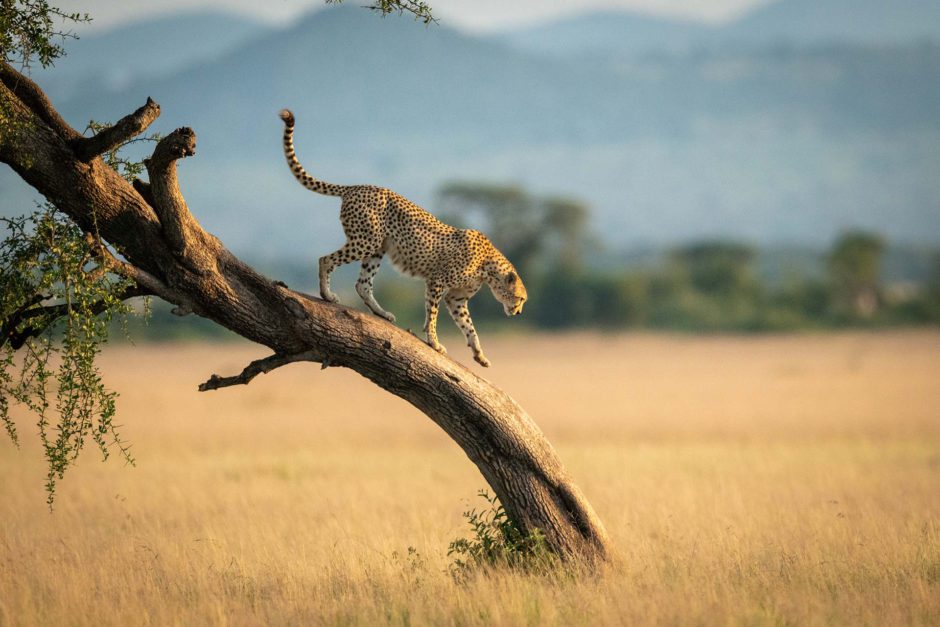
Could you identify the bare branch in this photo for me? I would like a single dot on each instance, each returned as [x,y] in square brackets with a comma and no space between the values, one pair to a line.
[259,366]
[164,185]
[33,97]
[143,188]
[183,234]
[144,279]
[128,127]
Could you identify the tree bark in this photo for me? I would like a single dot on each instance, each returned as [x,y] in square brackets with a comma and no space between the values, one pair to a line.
[170,255]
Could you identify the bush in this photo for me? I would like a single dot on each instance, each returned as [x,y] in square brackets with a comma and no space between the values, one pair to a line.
[497,542]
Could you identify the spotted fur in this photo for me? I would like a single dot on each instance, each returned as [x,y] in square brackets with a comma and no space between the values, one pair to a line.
[454,262]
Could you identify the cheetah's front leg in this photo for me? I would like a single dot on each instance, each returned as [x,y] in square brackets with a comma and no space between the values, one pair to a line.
[432,302]
[457,307]
[370,265]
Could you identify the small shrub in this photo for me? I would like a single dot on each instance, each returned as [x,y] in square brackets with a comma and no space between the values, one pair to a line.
[497,542]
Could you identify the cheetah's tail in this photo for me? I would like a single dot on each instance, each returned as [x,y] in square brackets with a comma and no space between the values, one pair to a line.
[300,174]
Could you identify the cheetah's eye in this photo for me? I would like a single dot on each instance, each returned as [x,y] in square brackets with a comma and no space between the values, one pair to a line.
[511,278]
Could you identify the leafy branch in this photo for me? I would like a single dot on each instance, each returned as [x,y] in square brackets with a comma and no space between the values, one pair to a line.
[32,30]
[57,300]
[60,289]
[421,10]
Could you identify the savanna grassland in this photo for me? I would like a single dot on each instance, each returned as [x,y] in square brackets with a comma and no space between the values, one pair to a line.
[744,480]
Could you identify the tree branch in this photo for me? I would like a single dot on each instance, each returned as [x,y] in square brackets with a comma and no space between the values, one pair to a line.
[35,99]
[164,185]
[128,127]
[50,314]
[151,284]
[143,188]
[252,370]
[184,235]
[420,9]
[10,324]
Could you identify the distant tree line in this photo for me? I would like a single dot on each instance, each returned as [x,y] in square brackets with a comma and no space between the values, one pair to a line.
[703,286]
[700,286]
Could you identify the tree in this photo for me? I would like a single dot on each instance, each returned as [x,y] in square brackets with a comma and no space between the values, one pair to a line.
[509,214]
[566,222]
[855,273]
[142,236]
[529,229]
[716,268]
[545,236]
[932,290]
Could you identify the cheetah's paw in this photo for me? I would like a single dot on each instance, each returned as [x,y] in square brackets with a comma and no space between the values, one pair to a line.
[481,359]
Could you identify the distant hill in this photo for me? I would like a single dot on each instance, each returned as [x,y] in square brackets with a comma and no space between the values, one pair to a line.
[775,144]
[356,81]
[869,22]
[117,57]
[617,32]
[783,22]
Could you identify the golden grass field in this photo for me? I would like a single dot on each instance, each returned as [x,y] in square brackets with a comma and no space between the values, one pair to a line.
[783,480]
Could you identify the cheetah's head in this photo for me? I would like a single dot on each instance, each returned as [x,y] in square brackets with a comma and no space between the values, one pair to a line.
[508,289]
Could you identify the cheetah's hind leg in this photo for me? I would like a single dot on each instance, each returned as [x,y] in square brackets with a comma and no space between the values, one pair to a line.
[328,263]
[370,265]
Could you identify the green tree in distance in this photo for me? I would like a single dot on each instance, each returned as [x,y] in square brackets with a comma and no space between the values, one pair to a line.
[854,266]
[530,230]
[717,268]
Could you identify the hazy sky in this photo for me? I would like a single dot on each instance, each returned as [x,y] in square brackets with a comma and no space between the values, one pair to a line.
[481,15]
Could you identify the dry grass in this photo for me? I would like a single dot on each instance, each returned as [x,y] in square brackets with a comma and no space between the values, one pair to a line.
[782,480]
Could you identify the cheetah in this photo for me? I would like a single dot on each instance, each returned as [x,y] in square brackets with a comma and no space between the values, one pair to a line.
[454,263]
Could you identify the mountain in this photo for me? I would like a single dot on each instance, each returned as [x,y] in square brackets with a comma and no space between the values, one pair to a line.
[869,22]
[619,33]
[361,77]
[159,47]
[775,145]
[374,97]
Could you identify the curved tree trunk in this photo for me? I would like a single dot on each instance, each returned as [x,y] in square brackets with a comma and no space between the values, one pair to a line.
[169,255]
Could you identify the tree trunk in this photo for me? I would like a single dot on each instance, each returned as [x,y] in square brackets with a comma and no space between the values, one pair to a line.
[169,254]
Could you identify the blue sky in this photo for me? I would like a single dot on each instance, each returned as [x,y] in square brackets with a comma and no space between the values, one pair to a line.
[477,15]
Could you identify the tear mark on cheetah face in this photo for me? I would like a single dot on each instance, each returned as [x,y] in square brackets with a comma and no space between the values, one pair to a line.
[454,263]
